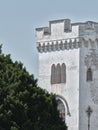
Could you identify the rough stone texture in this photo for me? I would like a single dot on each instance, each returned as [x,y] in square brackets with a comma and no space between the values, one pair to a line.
[76,45]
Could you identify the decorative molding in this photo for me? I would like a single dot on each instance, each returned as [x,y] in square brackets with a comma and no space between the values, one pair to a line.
[66,44]
[57,45]
[65,103]
[90,25]
[91,59]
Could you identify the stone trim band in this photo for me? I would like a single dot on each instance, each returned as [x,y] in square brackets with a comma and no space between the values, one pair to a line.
[63,44]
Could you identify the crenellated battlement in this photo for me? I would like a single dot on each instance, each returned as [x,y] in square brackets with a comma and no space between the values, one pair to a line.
[62,34]
[57,29]
[64,25]
[61,25]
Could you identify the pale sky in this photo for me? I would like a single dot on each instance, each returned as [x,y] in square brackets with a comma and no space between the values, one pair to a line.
[19,18]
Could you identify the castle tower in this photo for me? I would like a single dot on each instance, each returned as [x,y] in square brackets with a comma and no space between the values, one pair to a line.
[68,66]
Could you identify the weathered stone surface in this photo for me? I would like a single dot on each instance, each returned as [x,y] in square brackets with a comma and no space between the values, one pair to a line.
[75,45]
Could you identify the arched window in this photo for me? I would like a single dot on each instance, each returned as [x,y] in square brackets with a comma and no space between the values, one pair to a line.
[61,108]
[53,74]
[63,73]
[58,73]
[58,76]
[89,74]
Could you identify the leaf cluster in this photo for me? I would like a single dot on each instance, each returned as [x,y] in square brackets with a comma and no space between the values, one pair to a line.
[23,105]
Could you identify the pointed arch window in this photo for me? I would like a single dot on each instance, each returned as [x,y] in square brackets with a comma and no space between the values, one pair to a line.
[63,73]
[89,74]
[58,73]
[61,109]
[53,74]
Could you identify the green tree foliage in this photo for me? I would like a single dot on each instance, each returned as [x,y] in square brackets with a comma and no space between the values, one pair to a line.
[23,105]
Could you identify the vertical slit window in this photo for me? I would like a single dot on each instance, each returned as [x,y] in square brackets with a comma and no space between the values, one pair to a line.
[58,69]
[53,74]
[63,73]
[89,74]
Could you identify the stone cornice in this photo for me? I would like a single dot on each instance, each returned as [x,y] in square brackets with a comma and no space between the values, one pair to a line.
[62,44]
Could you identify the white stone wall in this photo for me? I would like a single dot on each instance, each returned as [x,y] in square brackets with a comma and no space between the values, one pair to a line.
[88,94]
[70,89]
[88,91]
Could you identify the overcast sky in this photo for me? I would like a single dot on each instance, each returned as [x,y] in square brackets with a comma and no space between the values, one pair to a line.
[19,18]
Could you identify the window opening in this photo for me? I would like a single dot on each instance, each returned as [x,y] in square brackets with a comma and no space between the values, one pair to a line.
[89,74]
